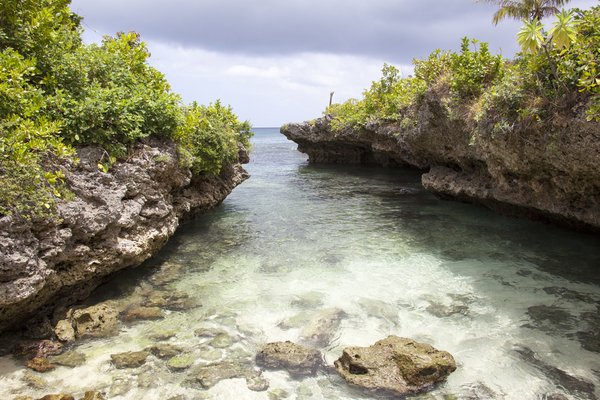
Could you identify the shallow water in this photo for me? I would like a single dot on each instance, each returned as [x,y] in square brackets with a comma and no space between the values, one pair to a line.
[517,303]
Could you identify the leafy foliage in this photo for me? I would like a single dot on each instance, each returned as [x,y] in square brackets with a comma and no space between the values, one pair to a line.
[472,71]
[56,93]
[210,137]
[556,71]
[528,10]
[386,100]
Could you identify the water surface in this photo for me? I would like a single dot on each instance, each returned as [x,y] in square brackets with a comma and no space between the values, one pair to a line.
[516,302]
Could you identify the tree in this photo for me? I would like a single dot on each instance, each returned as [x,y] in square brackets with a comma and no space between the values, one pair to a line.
[529,10]
[532,38]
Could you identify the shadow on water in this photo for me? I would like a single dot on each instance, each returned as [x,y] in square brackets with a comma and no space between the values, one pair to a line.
[195,245]
[455,230]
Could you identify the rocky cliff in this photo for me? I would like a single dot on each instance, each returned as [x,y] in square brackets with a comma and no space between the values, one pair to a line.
[116,220]
[547,171]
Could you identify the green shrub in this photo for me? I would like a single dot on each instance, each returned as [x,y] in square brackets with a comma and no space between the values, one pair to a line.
[56,93]
[109,95]
[472,71]
[433,68]
[29,143]
[209,137]
[383,101]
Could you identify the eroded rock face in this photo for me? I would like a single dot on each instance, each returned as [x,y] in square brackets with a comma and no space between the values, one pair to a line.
[546,172]
[296,359]
[116,220]
[396,365]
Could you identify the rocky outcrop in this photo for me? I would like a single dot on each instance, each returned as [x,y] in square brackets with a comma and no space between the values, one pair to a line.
[115,220]
[395,365]
[547,171]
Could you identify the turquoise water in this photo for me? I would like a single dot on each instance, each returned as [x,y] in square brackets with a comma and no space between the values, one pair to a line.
[517,303]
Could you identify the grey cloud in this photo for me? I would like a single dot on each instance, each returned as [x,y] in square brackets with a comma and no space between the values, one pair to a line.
[394,30]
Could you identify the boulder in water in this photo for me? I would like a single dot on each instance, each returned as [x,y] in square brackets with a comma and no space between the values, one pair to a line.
[130,359]
[164,350]
[69,359]
[296,359]
[40,364]
[208,376]
[100,320]
[396,365]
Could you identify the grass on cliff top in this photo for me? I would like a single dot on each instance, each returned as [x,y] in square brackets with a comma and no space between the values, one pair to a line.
[491,93]
[57,93]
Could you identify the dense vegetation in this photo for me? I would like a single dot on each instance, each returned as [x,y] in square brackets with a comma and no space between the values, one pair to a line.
[558,71]
[57,93]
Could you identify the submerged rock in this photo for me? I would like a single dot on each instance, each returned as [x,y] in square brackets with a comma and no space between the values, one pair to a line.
[100,320]
[309,300]
[119,386]
[441,310]
[210,354]
[222,341]
[297,321]
[278,394]
[296,359]
[475,391]
[160,335]
[321,328]
[379,309]
[180,362]
[170,300]
[168,272]
[162,350]
[205,332]
[396,365]
[550,318]
[69,359]
[34,381]
[208,376]
[574,385]
[141,313]
[130,359]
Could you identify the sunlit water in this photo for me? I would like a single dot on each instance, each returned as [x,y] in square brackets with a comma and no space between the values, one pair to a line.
[371,247]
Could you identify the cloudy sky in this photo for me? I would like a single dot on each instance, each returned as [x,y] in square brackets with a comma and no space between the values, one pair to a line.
[276,61]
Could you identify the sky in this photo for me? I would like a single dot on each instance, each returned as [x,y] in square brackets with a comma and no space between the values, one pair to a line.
[276,61]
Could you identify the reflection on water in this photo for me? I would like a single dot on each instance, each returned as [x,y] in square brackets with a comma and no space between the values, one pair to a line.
[339,256]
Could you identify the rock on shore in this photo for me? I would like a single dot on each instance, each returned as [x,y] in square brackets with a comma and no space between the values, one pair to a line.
[116,220]
[547,172]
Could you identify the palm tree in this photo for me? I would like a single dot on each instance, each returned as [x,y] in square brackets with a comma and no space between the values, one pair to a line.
[529,10]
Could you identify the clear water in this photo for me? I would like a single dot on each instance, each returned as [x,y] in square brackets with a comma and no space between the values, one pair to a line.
[390,258]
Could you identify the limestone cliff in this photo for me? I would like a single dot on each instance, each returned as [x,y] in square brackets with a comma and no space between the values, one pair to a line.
[548,171]
[116,220]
